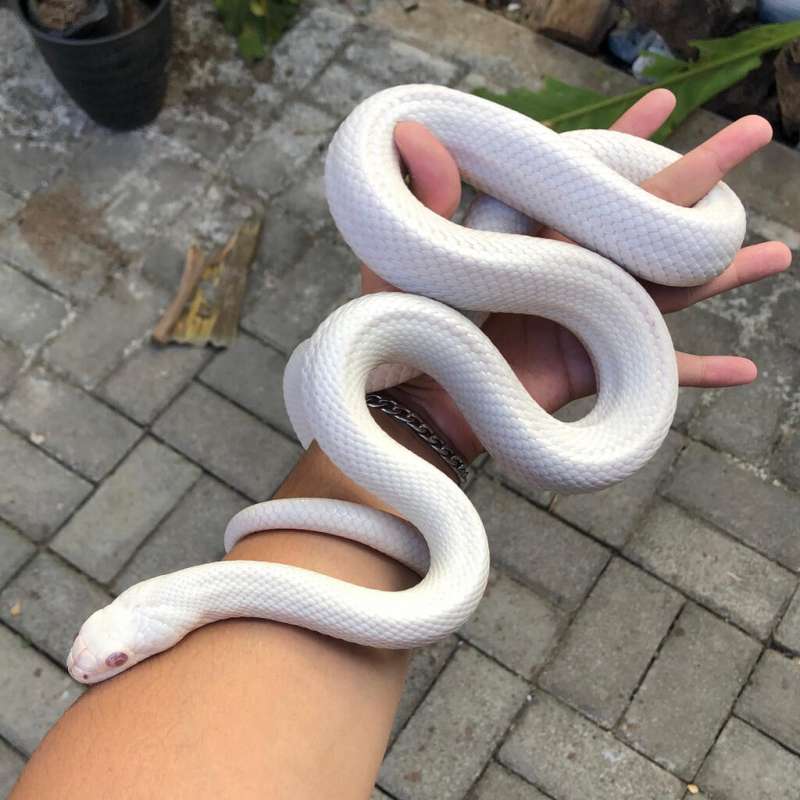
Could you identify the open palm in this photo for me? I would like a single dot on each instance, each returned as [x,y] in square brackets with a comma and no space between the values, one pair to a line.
[551,362]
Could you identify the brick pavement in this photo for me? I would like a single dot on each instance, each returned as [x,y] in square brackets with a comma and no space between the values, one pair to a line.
[631,643]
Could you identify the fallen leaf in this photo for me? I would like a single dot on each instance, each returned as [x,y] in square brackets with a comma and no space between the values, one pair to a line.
[16,609]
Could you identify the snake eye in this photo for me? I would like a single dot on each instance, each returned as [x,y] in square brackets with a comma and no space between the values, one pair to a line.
[116,659]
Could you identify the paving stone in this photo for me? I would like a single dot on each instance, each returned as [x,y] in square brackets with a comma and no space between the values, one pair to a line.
[614,513]
[34,692]
[29,313]
[689,691]
[340,89]
[757,513]
[497,782]
[514,625]
[723,575]
[699,330]
[784,316]
[9,206]
[37,494]
[426,664]
[97,340]
[162,261]
[53,601]
[442,750]
[26,166]
[145,384]
[689,398]
[275,157]
[570,758]
[103,535]
[15,550]
[11,360]
[150,200]
[69,265]
[535,548]
[304,50]
[284,239]
[305,199]
[786,459]
[251,374]
[394,62]
[788,633]
[744,420]
[228,442]
[745,764]
[771,701]
[324,278]
[377,794]
[751,307]
[613,638]
[762,229]
[542,497]
[94,176]
[191,534]
[11,764]
[69,424]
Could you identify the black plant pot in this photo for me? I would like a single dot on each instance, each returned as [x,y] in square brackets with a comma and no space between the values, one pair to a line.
[118,80]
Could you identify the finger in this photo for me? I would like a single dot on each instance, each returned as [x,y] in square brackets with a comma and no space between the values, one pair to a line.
[750,265]
[715,371]
[435,181]
[647,115]
[694,175]
[435,178]
[642,119]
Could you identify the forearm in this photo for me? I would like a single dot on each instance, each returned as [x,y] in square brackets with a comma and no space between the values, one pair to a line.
[243,708]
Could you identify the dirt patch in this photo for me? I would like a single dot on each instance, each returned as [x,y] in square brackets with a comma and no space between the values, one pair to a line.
[51,220]
[87,18]
[58,15]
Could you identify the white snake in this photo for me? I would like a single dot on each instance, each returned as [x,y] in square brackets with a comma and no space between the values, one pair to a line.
[582,183]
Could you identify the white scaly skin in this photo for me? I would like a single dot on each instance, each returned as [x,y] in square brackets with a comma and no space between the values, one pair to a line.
[585,185]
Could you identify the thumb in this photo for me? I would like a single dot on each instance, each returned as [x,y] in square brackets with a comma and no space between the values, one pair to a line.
[435,181]
[434,175]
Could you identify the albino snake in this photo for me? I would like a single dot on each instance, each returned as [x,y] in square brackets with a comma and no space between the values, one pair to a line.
[582,183]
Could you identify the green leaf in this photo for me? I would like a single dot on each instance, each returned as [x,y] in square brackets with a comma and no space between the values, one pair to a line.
[256,23]
[720,63]
[251,45]
[581,108]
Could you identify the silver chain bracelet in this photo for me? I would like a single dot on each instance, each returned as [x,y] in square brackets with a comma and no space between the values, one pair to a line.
[407,417]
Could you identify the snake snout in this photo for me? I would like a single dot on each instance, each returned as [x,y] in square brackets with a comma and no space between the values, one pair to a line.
[82,664]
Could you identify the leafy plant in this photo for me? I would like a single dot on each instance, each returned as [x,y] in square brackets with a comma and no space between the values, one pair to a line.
[256,24]
[720,63]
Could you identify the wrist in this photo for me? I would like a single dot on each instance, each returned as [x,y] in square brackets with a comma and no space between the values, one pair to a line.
[435,405]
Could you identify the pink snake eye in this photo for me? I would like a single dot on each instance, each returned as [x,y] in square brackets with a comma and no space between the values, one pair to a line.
[116,659]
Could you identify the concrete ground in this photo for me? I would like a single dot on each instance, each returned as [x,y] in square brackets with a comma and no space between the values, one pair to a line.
[635,644]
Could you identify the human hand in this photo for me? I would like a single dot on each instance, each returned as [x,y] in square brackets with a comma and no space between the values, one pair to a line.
[549,360]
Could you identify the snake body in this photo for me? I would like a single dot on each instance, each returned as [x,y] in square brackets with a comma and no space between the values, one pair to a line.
[582,183]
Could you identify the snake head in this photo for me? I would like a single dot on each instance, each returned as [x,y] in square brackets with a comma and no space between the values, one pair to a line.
[108,643]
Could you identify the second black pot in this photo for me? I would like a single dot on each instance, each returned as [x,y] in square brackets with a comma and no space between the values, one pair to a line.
[120,81]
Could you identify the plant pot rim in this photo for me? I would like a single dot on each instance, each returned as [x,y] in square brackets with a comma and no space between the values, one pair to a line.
[22,8]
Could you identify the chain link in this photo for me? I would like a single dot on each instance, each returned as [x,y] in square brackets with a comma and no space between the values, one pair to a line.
[408,418]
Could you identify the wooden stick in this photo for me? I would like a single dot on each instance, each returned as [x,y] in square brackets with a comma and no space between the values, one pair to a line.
[235,259]
[192,273]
